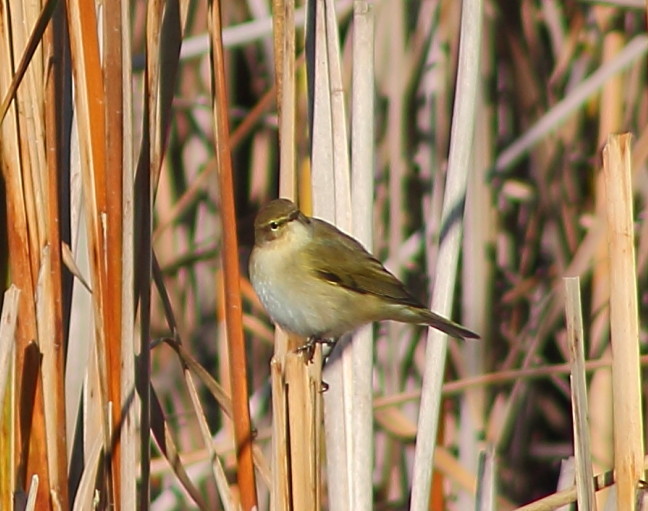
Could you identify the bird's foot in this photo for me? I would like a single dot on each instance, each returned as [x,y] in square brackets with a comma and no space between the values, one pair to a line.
[309,347]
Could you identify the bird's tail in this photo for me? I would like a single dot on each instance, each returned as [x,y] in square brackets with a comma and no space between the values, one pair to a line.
[424,316]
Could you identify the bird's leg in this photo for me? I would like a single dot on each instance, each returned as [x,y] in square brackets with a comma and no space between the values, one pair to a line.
[308,348]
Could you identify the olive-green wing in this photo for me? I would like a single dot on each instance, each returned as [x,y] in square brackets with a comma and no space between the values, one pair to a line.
[342,261]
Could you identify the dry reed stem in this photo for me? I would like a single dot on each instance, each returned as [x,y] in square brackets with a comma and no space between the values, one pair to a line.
[231,272]
[114,153]
[304,429]
[566,477]
[94,424]
[322,147]
[89,88]
[7,334]
[53,375]
[486,494]
[280,497]
[297,419]
[128,437]
[163,36]
[284,44]
[37,180]
[31,429]
[332,103]
[624,325]
[57,195]
[295,398]
[21,155]
[611,121]
[580,410]
[477,271]
[462,136]
[220,478]
[31,46]
[362,192]
[142,268]
[283,19]
[330,185]
[32,497]
[86,489]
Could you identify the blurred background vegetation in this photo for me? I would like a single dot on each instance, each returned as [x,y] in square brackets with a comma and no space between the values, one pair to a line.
[557,77]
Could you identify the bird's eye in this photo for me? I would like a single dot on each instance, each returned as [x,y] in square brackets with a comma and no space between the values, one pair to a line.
[274,226]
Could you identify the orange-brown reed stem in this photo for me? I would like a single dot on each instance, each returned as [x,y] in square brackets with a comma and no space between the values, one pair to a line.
[231,271]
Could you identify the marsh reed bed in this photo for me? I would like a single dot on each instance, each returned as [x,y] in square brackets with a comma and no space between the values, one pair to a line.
[493,154]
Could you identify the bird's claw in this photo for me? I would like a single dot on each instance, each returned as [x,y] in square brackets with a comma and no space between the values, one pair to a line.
[308,348]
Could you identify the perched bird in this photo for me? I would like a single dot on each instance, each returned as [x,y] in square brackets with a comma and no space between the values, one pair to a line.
[317,282]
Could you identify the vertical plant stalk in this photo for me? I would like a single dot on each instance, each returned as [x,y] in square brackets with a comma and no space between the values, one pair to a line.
[486,494]
[301,384]
[280,491]
[331,190]
[143,228]
[296,400]
[89,101]
[8,322]
[128,436]
[580,411]
[611,120]
[7,337]
[51,299]
[231,271]
[283,19]
[58,191]
[163,35]
[477,269]
[461,144]
[331,101]
[113,104]
[624,321]
[28,426]
[362,185]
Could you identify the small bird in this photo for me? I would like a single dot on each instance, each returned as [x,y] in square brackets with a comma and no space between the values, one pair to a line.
[318,282]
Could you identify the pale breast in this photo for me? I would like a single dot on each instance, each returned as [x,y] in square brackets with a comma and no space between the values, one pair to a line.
[298,301]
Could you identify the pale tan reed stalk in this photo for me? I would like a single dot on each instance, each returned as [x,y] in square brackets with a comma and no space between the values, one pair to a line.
[284,48]
[610,121]
[129,405]
[580,410]
[624,321]
[331,188]
[486,493]
[463,124]
[295,397]
[7,340]
[362,194]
